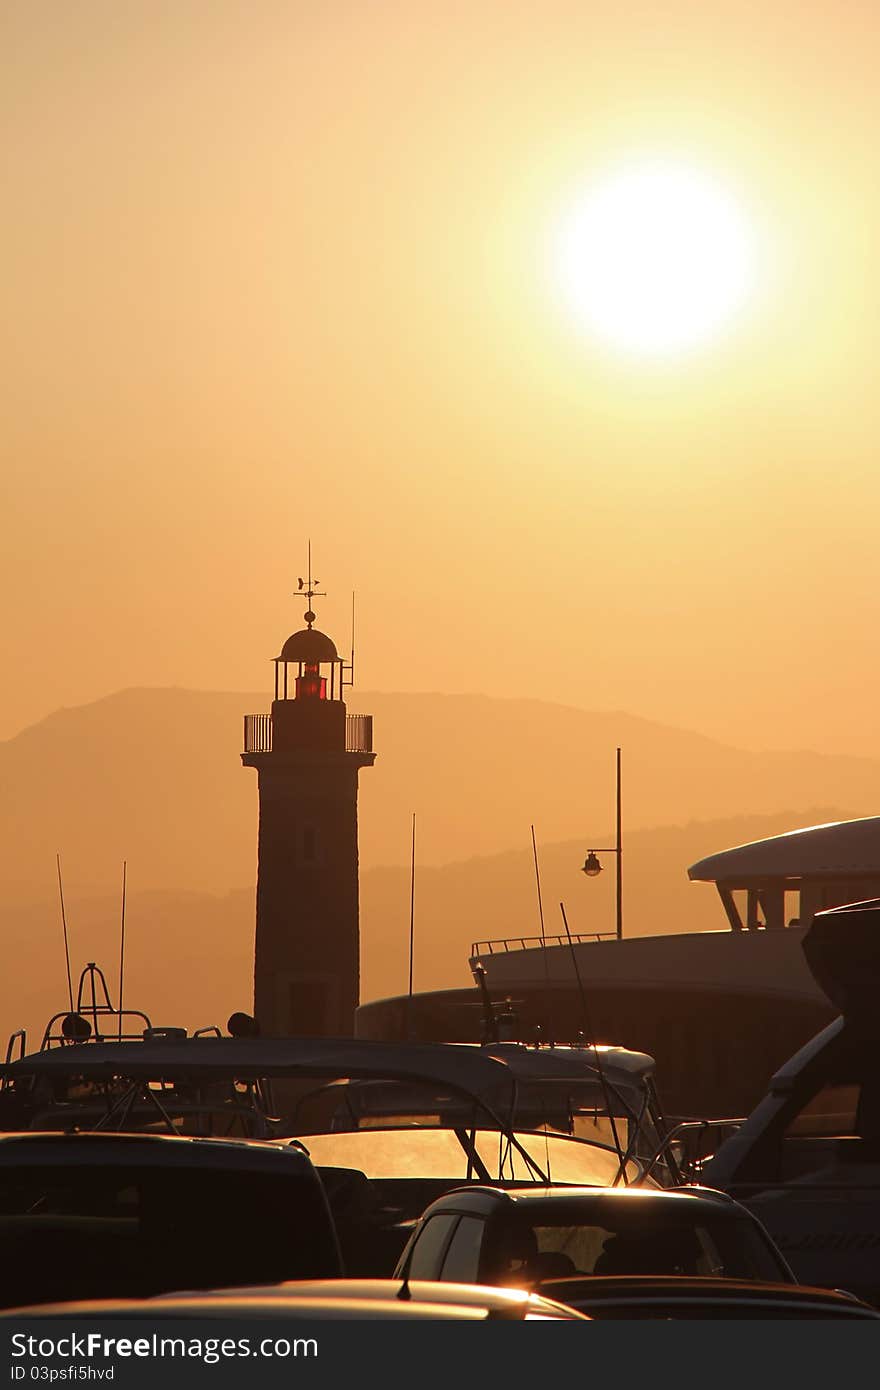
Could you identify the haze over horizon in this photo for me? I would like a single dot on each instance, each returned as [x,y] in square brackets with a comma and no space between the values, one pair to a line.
[281,273]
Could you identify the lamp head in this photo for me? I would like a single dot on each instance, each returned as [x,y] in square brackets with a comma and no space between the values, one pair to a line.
[592,867]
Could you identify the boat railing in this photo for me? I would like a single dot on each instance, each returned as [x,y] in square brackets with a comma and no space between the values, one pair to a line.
[528,943]
[17,1043]
[105,1024]
[683,1143]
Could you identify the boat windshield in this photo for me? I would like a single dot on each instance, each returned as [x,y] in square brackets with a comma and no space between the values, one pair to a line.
[460,1156]
[556,1108]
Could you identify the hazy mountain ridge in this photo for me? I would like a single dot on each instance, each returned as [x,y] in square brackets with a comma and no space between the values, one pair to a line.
[154,777]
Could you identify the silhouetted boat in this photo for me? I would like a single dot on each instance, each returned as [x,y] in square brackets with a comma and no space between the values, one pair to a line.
[105,1068]
[807,1160]
[170,1082]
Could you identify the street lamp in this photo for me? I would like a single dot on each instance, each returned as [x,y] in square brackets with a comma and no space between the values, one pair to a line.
[592,866]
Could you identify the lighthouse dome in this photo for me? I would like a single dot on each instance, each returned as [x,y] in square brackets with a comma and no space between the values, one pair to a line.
[309,646]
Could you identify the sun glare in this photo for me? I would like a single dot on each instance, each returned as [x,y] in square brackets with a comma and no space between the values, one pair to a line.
[654,259]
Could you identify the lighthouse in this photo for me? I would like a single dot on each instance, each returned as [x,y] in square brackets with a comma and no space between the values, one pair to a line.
[308,753]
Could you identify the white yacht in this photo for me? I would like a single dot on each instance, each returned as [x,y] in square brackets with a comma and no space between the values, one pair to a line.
[719,1010]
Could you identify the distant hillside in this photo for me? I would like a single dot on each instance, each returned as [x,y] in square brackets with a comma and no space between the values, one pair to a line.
[190,955]
[154,776]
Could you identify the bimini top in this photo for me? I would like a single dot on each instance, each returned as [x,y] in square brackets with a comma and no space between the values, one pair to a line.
[848,848]
[211,1058]
[492,1077]
[310,646]
[485,1072]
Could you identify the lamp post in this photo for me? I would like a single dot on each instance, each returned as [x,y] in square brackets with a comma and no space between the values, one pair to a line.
[592,866]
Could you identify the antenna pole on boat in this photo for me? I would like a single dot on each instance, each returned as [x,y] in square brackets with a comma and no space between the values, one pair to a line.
[619,860]
[543,936]
[590,1034]
[122,948]
[412,923]
[538,884]
[64,925]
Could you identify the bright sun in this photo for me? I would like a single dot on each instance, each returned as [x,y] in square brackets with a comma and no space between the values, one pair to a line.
[654,259]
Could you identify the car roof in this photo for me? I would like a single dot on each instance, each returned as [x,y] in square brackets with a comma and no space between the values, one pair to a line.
[52,1147]
[486,1199]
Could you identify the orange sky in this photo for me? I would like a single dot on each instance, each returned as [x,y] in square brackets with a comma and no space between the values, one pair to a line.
[276,270]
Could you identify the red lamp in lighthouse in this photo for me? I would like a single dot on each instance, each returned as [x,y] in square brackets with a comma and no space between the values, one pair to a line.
[311,685]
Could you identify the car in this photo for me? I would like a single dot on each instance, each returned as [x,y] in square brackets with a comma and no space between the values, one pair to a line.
[106,1215]
[673,1297]
[524,1237]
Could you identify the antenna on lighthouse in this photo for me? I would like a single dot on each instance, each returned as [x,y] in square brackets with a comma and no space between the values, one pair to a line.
[350,680]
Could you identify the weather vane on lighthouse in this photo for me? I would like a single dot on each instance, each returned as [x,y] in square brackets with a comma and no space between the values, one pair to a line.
[309,590]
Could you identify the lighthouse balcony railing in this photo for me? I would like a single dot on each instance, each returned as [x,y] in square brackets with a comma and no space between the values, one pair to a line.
[358,733]
[532,943]
[258,733]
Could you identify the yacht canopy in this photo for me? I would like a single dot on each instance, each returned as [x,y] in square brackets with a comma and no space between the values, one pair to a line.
[849,848]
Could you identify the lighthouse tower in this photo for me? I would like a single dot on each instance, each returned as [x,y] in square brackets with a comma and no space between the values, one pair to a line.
[308,753]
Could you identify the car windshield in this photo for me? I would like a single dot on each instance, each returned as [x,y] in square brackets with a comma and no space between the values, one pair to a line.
[637,1241]
[132,1230]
